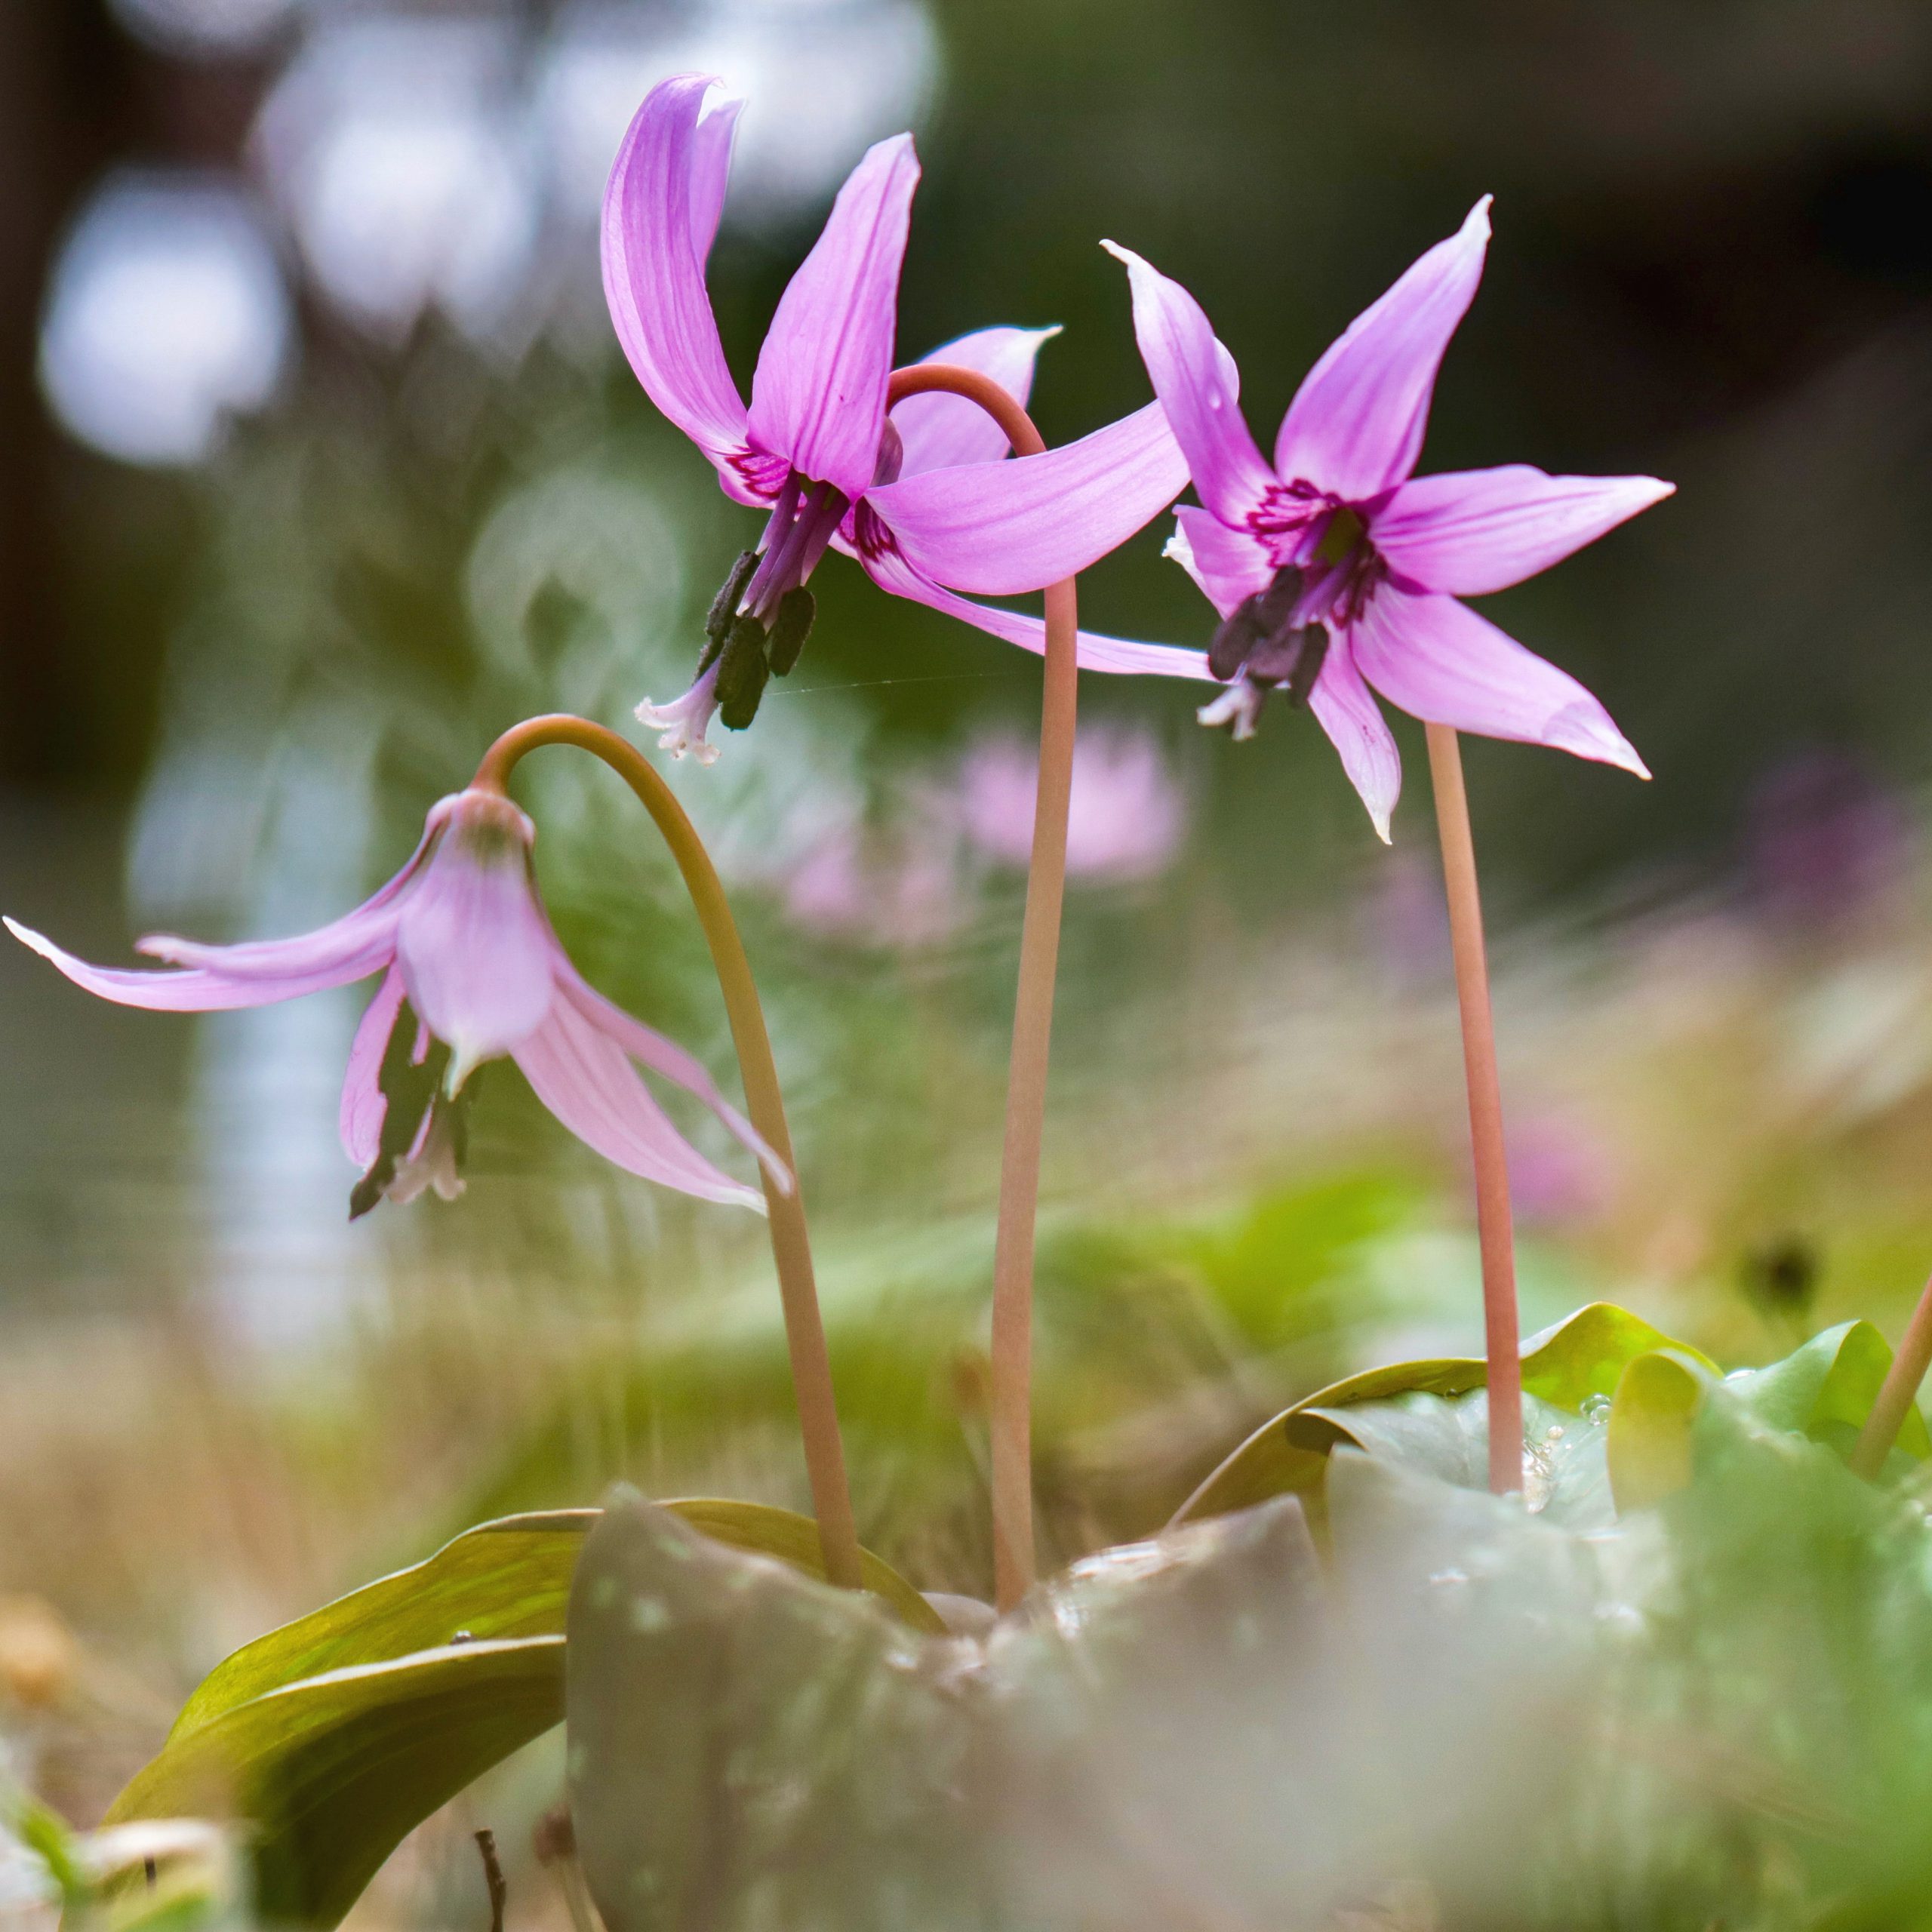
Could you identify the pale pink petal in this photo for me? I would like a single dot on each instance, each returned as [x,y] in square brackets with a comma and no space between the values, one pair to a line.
[662,1056]
[200,990]
[1199,387]
[1002,527]
[473,942]
[363,1105]
[1440,661]
[1346,709]
[890,571]
[1230,566]
[346,938]
[586,1079]
[660,208]
[939,431]
[818,398]
[1465,532]
[1356,424]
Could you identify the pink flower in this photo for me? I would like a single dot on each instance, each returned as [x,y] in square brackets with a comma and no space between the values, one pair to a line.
[922,499]
[1125,818]
[461,934]
[898,889]
[1336,569]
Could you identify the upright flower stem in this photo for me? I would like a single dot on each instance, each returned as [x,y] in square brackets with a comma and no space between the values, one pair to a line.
[1012,1366]
[1501,1341]
[1897,1391]
[791,1248]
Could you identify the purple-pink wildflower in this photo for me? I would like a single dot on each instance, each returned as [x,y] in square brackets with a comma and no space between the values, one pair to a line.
[1336,569]
[922,498]
[461,934]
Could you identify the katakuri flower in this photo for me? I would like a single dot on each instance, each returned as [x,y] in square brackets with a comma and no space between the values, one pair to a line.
[922,498]
[460,934]
[1336,569]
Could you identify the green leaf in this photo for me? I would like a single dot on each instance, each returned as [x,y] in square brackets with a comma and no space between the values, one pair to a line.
[793,1539]
[1652,1418]
[1565,1366]
[1826,1388]
[511,1578]
[338,1734]
[332,1771]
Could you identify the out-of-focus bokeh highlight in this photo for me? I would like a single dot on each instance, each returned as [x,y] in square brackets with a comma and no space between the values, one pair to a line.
[320,468]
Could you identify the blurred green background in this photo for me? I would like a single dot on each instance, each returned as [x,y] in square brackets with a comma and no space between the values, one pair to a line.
[320,468]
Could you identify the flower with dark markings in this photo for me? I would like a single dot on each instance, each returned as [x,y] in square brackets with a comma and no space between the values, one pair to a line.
[1336,569]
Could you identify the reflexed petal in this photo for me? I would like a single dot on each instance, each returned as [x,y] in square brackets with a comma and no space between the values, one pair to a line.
[1356,424]
[818,398]
[1440,661]
[711,168]
[1200,388]
[200,990]
[665,1057]
[1346,709]
[891,572]
[1003,527]
[1230,566]
[363,1104]
[586,1079]
[1469,531]
[473,942]
[668,178]
[940,431]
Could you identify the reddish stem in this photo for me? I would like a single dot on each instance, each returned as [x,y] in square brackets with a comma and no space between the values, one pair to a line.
[1501,1335]
[1898,1391]
[1011,1425]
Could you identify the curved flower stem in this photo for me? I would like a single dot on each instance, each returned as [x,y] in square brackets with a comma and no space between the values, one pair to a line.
[1011,1403]
[790,1249]
[1897,1391]
[1501,1342]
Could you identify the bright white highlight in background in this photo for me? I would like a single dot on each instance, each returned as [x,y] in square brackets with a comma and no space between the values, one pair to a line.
[166,314]
[395,147]
[209,29]
[821,79]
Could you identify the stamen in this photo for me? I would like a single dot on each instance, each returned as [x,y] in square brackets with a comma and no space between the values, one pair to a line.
[724,607]
[1254,620]
[741,672]
[797,609]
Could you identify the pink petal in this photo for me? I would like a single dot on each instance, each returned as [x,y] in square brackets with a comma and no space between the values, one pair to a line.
[939,431]
[1199,387]
[1469,531]
[890,571]
[711,168]
[1002,527]
[818,398]
[363,1104]
[1230,566]
[473,943]
[1346,709]
[200,990]
[582,1076]
[666,1056]
[659,211]
[347,938]
[1440,661]
[1356,424]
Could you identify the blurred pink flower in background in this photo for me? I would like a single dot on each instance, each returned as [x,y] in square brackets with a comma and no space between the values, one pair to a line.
[899,888]
[1826,840]
[1560,1170]
[1126,819]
